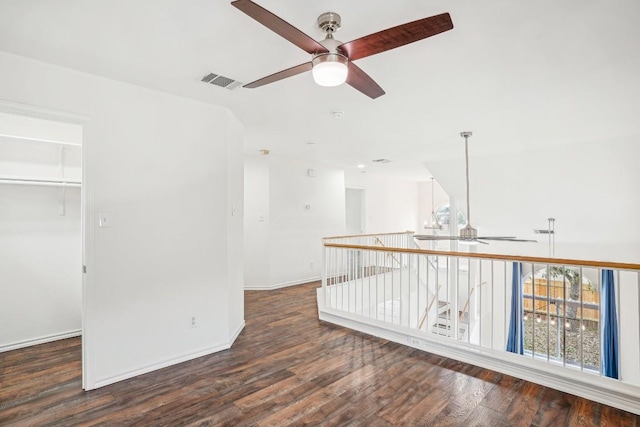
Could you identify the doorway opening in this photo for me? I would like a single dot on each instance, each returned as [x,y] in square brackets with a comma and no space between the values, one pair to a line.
[42,224]
[355,211]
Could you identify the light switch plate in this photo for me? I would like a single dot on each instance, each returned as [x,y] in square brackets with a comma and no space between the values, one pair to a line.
[104,221]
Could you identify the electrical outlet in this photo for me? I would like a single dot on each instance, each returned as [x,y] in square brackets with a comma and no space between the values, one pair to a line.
[416,342]
[193,322]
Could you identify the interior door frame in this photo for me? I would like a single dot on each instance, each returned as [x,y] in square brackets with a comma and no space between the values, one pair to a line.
[81,120]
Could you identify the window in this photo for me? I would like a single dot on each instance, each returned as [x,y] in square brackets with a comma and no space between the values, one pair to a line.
[561,317]
[442,217]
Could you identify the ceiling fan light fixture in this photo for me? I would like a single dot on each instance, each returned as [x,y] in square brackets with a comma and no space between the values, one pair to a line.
[330,69]
[468,235]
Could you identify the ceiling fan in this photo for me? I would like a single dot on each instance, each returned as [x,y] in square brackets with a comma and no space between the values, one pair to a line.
[468,234]
[331,60]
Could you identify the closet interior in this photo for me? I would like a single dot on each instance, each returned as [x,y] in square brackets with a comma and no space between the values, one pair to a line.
[40,230]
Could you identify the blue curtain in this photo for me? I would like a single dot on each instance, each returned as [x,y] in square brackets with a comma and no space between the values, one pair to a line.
[609,326]
[515,339]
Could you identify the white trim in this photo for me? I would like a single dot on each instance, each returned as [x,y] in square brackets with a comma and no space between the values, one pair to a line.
[48,141]
[599,389]
[42,112]
[86,214]
[282,285]
[41,340]
[160,365]
[169,362]
[42,182]
[237,333]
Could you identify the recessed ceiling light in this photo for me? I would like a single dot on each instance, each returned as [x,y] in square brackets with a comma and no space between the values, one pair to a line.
[361,166]
[337,114]
[381,161]
[264,152]
[311,143]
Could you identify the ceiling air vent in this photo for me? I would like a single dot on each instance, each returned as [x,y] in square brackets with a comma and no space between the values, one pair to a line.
[381,161]
[222,81]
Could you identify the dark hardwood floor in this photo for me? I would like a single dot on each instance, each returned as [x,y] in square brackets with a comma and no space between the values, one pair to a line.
[287,368]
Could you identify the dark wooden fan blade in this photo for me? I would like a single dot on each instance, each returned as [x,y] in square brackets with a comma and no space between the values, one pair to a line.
[280,26]
[361,81]
[392,38]
[289,72]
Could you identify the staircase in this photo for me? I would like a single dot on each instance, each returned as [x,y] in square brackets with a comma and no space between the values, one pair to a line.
[444,324]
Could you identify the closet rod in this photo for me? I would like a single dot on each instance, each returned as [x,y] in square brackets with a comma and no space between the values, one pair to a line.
[50,141]
[42,182]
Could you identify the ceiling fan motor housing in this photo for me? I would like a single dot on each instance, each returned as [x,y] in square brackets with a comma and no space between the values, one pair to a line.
[329,22]
[468,233]
[329,57]
[330,43]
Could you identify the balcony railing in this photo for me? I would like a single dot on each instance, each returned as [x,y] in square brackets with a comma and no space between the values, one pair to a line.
[472,307]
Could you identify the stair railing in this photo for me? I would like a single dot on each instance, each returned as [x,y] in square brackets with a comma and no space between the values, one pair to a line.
[434,298]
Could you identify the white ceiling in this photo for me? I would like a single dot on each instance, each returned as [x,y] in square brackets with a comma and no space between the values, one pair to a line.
[519,74]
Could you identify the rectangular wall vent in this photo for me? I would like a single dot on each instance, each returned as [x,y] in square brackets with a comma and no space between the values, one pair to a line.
[222,81]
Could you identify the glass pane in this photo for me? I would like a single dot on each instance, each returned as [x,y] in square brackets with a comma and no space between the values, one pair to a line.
[562,316]
[442,217]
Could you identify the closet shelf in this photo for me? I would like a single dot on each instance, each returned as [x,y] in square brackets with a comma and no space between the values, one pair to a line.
[40,182]
[49,141]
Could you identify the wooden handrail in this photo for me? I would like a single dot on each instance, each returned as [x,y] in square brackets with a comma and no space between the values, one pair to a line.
[368,235]
[516,258]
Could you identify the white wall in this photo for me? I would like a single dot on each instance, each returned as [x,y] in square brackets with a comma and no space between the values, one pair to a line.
[165,169]
[591,189]
[391,204]
[286,248]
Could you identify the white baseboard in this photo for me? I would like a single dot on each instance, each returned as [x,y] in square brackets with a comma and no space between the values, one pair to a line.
[237,332]
[281,285]
[40,340]
[593,387]
[169,362]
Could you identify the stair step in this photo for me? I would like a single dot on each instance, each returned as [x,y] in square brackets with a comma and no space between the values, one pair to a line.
[447,315]
[444,319]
